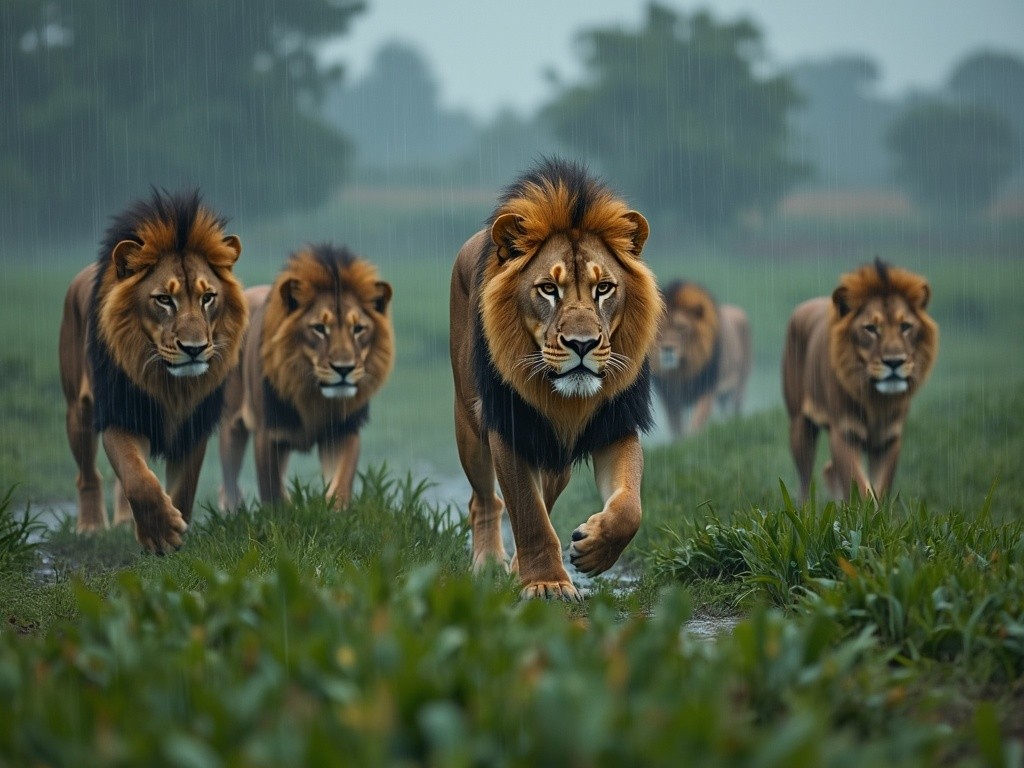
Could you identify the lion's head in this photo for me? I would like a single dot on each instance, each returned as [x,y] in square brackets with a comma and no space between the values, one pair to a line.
[170,310]
[881,338]
[327,332]
[688,333]
[568,309]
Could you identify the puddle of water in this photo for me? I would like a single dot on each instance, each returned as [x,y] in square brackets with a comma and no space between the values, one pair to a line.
[709,629]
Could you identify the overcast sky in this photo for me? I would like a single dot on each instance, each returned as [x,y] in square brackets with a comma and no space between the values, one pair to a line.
[486,54]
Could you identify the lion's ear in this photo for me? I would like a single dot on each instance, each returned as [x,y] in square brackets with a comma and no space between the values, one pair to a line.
[504,232]
[640,233]
[234,245]
[291,294]
[841,300]
[924,295]
[383,297]
[126,258]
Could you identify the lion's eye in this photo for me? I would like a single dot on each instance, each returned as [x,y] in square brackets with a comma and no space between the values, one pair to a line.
[548,289]
[358,328]
[871,328]
[319,329]
[906,327]
[164,300]
[604,288]
[208,298]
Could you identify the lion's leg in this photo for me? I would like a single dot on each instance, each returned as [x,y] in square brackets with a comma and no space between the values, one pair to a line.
[232,441]
[844,469]
[122,509]
[701,412]
[183,479]
[338,463]
[158,525]
[84,441]
[538,551]
[803,442]
[485,506]
[882,466]
[271,465]
[554,483]
[597,543]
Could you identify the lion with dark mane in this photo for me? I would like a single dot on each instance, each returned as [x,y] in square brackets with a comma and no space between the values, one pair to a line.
[703,356]
[148,336]
[851,365]
[552,316]
[319,347]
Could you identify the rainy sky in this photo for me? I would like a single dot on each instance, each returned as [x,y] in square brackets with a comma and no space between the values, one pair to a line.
[486,54]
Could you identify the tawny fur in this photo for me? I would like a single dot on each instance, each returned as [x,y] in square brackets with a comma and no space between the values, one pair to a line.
[539,233]
[174,246]
[329,286]
[703,355]
[873,333]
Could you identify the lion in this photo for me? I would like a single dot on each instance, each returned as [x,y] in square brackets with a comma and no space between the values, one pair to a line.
[319,347]
[552,315]
[851,365]
[702,356]
[149,333]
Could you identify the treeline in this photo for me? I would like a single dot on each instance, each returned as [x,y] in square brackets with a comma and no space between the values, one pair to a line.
[106,97]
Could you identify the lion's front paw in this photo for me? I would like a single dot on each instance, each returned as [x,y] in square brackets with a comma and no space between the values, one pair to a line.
[158,525]
[596,545]
[552,590]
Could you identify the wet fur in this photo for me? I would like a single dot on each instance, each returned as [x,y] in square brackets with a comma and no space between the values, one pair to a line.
[827,386]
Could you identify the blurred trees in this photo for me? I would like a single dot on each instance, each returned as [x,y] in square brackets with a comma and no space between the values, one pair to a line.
[393,115]
[839,129]
[952,158]
[678,117]
[110,96]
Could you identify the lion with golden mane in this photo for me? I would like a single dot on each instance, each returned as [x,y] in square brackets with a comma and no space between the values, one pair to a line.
[552,316]
[148,336]
[702,357]
[319,347]
[851,365]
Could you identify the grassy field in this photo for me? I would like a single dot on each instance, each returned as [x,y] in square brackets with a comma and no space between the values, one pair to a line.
[866,636]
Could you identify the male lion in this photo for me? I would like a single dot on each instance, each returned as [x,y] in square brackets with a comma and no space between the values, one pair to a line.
[851,365]
[702,356]
[552,314]
[318,348]
[148,335]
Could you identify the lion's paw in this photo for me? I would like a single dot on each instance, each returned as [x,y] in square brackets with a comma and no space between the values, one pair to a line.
[552,590]
[158,525]
[593,550]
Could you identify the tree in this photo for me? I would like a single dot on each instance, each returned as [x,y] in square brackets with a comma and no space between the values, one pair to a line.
[677,116]
[952,158]
[394,117]
[109,97]
[839,129]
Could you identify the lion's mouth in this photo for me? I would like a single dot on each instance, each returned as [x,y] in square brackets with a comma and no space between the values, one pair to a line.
[668,358]
[577,382]
[338,391]
[892,385]
[188,368]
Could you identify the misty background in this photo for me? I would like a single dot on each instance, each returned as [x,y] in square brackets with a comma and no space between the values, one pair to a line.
[760,140]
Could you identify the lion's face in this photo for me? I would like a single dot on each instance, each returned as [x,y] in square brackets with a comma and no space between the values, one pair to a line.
[885,333]
[179,303]
[326,339]
[882,339]
[687,333]
[571,303]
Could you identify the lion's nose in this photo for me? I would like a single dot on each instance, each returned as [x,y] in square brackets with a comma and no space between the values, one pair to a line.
[580,346]
[894,361]
[343,370]
[192,350]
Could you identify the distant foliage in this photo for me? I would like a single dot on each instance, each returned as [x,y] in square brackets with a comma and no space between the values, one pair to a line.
[952,158]
[678,117]
[104,98]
